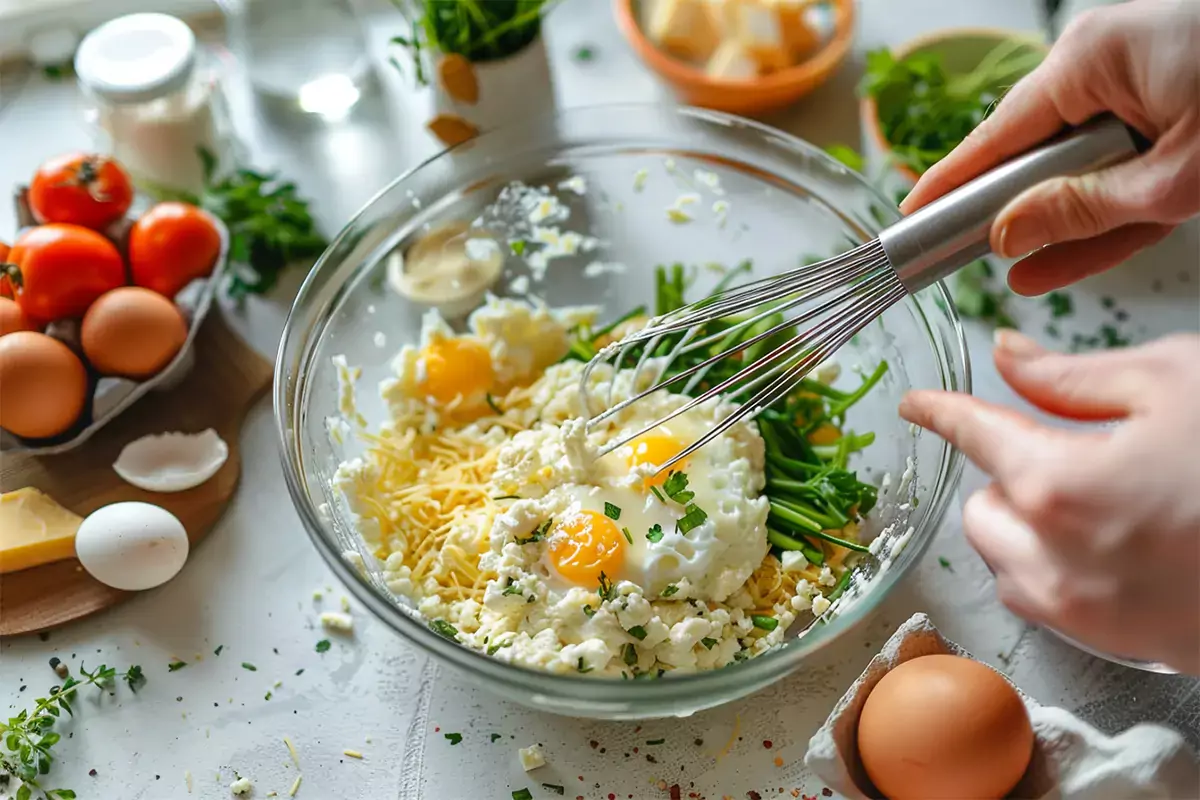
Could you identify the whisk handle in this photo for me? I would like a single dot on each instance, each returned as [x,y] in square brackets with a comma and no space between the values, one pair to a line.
[952,231]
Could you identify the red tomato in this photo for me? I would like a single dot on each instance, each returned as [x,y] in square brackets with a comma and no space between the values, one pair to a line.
[172,245]
[81,189]
[58,270]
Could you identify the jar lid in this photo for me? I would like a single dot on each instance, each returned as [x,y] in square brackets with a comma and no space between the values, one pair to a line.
[136,58]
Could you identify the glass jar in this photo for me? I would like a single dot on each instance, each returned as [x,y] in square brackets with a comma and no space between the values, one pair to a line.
[151,106]
[310,53]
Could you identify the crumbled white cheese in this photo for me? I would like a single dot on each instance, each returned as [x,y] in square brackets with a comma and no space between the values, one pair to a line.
[531,757]
[598,268]
[639,179]
[709,179]
[794,561]
[334,621]
[380,339]
[819,605]
[481,249]
[575,183]
[519,285]
[241,786]
[826,577]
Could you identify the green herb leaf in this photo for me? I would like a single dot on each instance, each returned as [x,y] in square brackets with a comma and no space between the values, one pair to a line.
[217,652]
[945,562]
[847,155]
[670,590]
[693,518]
[589,612]
[655,534]
[453,738]
[637,632]
[323,646]
[267,696]
[628,535]
[491,401]
[708,643]
[583,53]
[518,246]
[175,666]
[443,628]
[134,678]
[495,736]
[248,666]
[1060,304]
[629,654]
[511,588]
[676,488]
[764,623]
[581,667]
[611,511]
[554,787]
[522,794]
[607,590]
[655,741]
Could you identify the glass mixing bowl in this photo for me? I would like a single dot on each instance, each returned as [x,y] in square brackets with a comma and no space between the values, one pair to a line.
[786,201]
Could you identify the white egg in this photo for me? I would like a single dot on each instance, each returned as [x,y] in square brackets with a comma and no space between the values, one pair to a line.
[132,546]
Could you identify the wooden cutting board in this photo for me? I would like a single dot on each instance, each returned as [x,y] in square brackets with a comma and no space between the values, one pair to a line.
[227,378]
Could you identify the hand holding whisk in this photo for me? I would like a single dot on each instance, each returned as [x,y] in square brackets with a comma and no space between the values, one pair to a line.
[834,299]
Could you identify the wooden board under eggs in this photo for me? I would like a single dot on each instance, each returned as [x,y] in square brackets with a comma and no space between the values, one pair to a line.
[226,379]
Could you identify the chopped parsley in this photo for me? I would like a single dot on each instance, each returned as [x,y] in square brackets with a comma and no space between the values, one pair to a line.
[637,632]
[217,652]
[764,623]
[655,741]
[453,738]
[539,533]
[676,488]
[1060,304]
[628,535]
[491,401]
[522,794]
[708,643]
[554,787]
[518,246]
[175,666]
[588,611]
[655,533]
[582,667]
[582,53]
[629,655]
[611,511]
[443,628]
[267,696]
[299,672]
[945,562]
[741,655]
[495,736]
[249,666]
[323,646]
[693,518]
[670,590]
[510,588]
[607,590]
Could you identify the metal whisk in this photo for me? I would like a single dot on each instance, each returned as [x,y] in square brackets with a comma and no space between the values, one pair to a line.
[839,296]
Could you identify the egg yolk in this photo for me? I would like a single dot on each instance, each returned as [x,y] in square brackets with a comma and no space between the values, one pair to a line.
[455,367]
[586,544]
[656,449]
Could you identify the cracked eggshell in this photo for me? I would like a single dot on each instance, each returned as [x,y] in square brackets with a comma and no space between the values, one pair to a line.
[172,462]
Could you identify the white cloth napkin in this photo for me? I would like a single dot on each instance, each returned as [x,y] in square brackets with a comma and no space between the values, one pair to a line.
[1071,759]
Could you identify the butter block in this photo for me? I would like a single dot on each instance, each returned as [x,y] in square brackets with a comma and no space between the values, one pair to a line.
[686,29]
[34,530]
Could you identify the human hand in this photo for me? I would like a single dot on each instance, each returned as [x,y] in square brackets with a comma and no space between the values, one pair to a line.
[1095,533]
[1136,60]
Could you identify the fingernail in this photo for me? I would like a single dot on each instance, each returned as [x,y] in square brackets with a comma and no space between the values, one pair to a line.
[1021,235]
[1015,344]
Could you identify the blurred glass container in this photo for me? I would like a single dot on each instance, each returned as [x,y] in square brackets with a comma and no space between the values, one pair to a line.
[152,106]
[310,53]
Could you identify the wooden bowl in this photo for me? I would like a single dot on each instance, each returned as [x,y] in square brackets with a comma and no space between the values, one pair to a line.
[754,96]
[961,50]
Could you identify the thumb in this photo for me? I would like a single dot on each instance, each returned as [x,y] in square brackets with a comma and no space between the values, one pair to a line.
[1094,386]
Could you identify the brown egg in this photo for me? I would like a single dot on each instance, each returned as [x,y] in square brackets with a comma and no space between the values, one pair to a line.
[944,728]
[132,332]
[43,385]
[12,318]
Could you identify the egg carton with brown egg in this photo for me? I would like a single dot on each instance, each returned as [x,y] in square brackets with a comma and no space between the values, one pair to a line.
[953,726]
[107,395]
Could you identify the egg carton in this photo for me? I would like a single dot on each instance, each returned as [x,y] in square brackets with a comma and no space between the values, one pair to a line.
[1071,759]
[111,396]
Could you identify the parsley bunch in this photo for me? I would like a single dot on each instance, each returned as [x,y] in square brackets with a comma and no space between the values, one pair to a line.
[29,739]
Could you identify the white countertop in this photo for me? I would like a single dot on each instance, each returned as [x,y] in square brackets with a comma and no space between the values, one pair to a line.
[249,586]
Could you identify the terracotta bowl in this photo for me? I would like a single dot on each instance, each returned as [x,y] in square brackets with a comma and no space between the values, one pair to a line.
[754,96]
[961,49]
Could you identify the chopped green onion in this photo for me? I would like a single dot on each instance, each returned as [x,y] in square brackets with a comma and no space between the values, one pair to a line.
[764,623]
[611,511]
